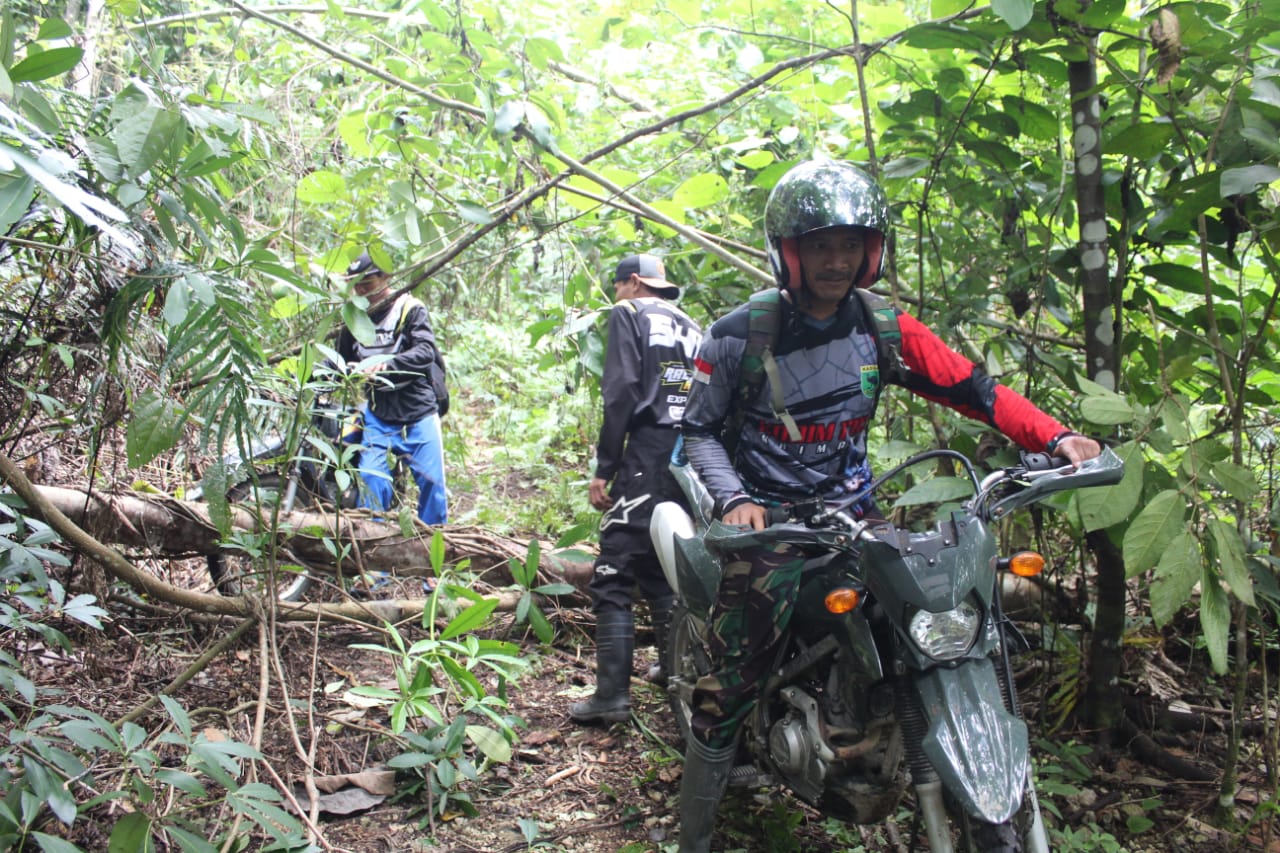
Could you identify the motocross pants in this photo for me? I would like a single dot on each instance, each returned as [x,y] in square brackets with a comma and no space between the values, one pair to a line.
[627,558]
[754,606]
[420,443]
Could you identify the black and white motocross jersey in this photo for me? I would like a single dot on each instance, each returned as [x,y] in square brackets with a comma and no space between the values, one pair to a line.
[647,373]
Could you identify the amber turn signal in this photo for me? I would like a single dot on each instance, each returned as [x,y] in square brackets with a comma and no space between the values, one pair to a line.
[1026,564]
[842,600]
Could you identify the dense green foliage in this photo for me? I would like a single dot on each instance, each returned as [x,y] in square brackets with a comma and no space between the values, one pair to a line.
[180,184]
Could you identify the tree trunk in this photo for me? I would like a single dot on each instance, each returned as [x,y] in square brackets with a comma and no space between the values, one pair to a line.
[1102,707]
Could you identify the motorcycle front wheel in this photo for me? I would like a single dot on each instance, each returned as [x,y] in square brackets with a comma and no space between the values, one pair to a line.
[233,571]
[1023,833]
[687,661]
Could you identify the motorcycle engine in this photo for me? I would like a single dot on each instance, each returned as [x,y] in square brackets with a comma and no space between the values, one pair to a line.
[836,744]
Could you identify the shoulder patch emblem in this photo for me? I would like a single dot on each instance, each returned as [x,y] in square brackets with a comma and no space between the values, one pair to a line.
[870,380]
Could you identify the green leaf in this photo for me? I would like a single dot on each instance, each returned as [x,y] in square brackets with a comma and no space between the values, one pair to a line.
[132,834]
[16,195]
[1142,140]
[1100,508]
[52,29]
[1176,575]
[1229,549]
[358,322]
[1247,179]
[322,187]
[935,490]
[1163,518]
[1215,620]
[470,619]
[1016,13]
[1177,276]
[474,213]
[145,136]
[1239,481]
[46,64]
[53,844]
[490,742]
[541,627]
[701,191]
[155,427]
[1106,408]
[1033,120]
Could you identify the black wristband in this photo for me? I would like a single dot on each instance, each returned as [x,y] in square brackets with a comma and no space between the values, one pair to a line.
[1052,446]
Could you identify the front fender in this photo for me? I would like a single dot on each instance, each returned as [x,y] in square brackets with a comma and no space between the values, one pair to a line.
[978,748]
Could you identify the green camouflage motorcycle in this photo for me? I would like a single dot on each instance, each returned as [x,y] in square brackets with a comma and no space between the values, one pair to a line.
[896,668]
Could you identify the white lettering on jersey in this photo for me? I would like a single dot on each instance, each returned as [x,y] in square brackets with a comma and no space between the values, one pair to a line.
[663,332]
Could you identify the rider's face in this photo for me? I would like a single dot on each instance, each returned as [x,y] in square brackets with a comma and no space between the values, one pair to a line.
[831,258]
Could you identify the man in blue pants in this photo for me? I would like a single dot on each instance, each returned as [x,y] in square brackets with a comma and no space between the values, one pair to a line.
[401,416]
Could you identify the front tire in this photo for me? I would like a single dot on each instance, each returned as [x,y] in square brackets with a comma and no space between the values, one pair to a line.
[687,661]
[234,572]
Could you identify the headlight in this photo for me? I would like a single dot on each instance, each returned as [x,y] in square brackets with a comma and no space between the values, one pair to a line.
[948,635]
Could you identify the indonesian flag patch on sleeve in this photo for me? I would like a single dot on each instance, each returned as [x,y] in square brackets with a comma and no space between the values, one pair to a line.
[701,371]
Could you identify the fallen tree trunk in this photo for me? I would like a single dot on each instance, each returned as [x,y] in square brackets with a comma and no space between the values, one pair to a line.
[165,527]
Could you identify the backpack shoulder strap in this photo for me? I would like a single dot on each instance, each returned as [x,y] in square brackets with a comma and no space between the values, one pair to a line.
[763,328]
[888,335]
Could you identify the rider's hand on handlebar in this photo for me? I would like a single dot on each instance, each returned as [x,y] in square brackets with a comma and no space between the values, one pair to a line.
[749,514]
[1077,449]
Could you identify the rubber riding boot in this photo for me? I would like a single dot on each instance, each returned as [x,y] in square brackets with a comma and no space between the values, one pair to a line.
[615,645]
[660,611]
[706,774]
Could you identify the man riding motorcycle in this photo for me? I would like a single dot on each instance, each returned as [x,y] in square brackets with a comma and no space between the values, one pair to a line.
[804,434]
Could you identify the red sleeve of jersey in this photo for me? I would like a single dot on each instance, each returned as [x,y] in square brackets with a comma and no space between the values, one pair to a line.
[943,375]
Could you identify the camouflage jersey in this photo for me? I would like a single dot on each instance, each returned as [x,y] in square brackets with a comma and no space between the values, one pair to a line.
[831,381]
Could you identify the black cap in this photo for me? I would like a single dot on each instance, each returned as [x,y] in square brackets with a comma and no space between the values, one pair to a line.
[364,266]
[651,271]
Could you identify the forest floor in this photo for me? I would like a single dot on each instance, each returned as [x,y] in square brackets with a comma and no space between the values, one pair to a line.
[596,789]
[614,789]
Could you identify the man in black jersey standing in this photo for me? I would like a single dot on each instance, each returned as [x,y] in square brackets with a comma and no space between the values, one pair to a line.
[647,372]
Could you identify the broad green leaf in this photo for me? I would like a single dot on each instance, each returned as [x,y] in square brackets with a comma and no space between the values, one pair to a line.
[145,137]
[905,167]
[322,187]
[155,427]
[16,195]
[1100,508]
[52,29]
[1142,140]
[1246,180]
[6,84]
[53,844]
[1016,13]
[490,742]
[1176,575]
[1215,620]
[1106,409]
[1033,120]
[358,322]
[46,64]
[474,213]
[541,627]
[701,191]
[177,301]
[1239,481]
[132,834]
[1163,518]
[1177,276]
[469,620]
[935,490]
[1230,552]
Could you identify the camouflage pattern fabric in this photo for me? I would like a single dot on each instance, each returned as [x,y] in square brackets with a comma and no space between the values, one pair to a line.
[753,609]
